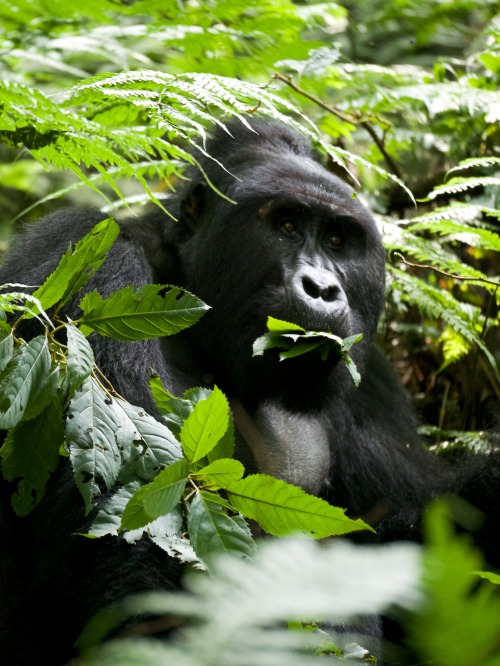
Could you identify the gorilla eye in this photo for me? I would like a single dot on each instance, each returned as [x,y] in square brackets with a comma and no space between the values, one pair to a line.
[335,240]
[288,227]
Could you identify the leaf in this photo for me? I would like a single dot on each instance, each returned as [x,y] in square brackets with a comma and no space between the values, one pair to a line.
[220,473]
[212,531]
[153,446]
[156,498]
[109,517]
[78,265]
[80,357]
[6,348]
[460,616]
[24,377]
[31,453]
[174,410]
[146,314]
[282,509]
[205,426]
[296,341]
[95,429]
[490,576]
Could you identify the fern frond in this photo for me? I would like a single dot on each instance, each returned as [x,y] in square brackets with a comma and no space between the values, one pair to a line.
[475,162]
[440,304]
[457,185]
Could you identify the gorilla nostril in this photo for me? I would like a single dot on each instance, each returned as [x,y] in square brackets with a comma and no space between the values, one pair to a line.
[310,287]
[327,293]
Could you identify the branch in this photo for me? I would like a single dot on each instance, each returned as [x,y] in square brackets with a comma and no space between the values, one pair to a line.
[353,118]
[460,278]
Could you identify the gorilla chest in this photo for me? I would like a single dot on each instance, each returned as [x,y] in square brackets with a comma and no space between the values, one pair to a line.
[292,447]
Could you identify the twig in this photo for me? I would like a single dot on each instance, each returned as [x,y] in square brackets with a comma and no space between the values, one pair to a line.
[353,118]
[460,278]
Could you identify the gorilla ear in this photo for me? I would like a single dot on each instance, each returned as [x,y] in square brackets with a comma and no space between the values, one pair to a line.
[192,205]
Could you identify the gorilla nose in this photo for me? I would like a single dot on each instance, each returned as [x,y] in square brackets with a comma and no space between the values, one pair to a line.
[320,290]
[315,287]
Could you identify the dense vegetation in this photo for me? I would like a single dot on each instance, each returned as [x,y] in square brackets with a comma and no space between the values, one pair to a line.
[104,105]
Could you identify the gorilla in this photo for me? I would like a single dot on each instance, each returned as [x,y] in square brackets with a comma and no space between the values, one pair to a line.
[290,240]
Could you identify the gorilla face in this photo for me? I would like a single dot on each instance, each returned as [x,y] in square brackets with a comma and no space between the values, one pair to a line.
[295,245]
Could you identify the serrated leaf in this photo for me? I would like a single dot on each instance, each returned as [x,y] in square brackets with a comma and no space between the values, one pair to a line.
[80,357]
[43,395]
[95,431]
[174,410]
[282,509]
[489,576]
[6,348]
[220,473]
[156,498]
[167,533]
[25,375]
[296,341]
[109,517]
[148,313]
[78,265]
[279,326]
[153,447]
[205,426]
[212,531]
[31,453]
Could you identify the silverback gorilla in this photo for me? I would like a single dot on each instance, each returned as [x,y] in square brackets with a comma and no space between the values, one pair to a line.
[292,242]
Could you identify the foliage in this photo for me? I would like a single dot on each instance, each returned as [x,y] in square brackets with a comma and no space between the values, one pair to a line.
[105,103]
[239,615]
[53,398]
[295,341]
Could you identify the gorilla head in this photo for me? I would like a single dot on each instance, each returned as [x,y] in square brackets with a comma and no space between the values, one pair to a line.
[289,240]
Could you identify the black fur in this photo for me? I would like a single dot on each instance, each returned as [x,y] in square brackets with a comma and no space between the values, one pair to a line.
[272,250]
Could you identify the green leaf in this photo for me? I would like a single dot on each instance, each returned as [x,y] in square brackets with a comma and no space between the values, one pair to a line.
[109,517]
[95,430]
[460,616]
[296,341]
[24,377]
[156,498]
[152,447]
[6,348]
[31,453]
[44,394]
[220,473]
[174,410]
[490,576]
[282,509]
[146,314]
[78,265]
[205,426]
[212,531]
[80,357]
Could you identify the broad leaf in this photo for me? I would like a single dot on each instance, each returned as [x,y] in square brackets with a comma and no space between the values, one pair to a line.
[156,498]
[80,357]
[95,432]
[282,509]
[153,446]
[148,313]
[220,473]
[6,347]
[24,377]
[205,426]
[212,531]
[31,453]
[78,265]
[109,517]
[173,410]
[296,341]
